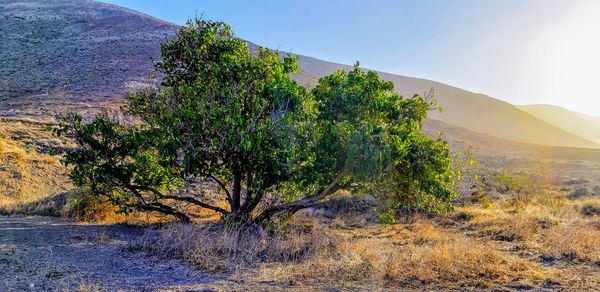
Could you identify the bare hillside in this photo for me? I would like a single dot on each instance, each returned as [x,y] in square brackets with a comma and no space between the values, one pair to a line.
[487,145]
[72,53]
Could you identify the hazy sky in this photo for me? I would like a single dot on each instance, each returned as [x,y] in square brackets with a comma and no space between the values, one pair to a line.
[524,52]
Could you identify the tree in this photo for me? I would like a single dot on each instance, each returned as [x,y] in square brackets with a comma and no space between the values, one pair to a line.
[237,119]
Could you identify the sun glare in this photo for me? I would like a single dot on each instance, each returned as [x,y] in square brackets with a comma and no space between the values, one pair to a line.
[565,59]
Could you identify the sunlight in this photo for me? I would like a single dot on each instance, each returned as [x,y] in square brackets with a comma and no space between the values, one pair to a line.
[565,58]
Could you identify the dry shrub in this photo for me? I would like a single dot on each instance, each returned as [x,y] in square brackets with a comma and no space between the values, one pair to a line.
[83,206]
[88,287]
[589,207]
[579,193]
[575,242]
[590,210]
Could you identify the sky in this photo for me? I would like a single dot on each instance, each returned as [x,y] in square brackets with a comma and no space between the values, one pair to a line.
[520,51]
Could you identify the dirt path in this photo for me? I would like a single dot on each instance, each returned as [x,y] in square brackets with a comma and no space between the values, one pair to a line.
[43,253]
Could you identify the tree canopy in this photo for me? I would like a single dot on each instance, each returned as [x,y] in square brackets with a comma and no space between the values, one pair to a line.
[236,118]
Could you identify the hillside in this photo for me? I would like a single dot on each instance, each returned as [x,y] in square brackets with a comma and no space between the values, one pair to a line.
[583,125]
[472,111]
[487,145]
[85,54]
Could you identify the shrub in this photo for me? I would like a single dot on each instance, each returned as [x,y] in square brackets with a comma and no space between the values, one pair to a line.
[82,205]
[576,181]
[591,209]
[579,193]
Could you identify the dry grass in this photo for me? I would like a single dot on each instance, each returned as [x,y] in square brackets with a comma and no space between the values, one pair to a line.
[548,225]
[517,219]
[575,242]
[88,287]
[315,254]
[26,176]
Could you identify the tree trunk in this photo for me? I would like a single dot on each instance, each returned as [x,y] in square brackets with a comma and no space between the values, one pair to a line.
[236,192]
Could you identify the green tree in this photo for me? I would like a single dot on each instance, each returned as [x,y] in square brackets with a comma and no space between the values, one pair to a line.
[236,118]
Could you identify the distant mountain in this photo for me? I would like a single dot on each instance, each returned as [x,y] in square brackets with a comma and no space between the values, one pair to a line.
[583,125]
[472,111]
[56,54]
[486,145]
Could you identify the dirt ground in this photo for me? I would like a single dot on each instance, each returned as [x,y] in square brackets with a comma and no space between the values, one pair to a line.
[48,254]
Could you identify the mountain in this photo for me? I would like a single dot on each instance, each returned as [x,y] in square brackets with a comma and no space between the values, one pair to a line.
[489,146]
[583,125]
[472,111]
[86,55]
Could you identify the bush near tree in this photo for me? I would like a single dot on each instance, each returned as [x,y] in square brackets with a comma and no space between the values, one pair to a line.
[236,118]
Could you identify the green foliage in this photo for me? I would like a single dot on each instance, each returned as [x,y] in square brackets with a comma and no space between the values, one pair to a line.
[370,138]
[236,118]
[387,218]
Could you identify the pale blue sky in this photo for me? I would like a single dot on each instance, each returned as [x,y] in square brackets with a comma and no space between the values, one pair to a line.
[536,51]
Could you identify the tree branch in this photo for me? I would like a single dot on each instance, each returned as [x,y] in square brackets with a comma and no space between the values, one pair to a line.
[248,198]
[158,207]
[177,198]
[222,185]
[196,202]
[305,202]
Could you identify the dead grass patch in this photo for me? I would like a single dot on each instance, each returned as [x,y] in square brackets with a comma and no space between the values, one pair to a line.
[574,242]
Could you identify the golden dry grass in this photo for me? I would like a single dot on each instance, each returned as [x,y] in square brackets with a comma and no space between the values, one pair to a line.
[548,225]
[578,241]
[26,176]
[315,254]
